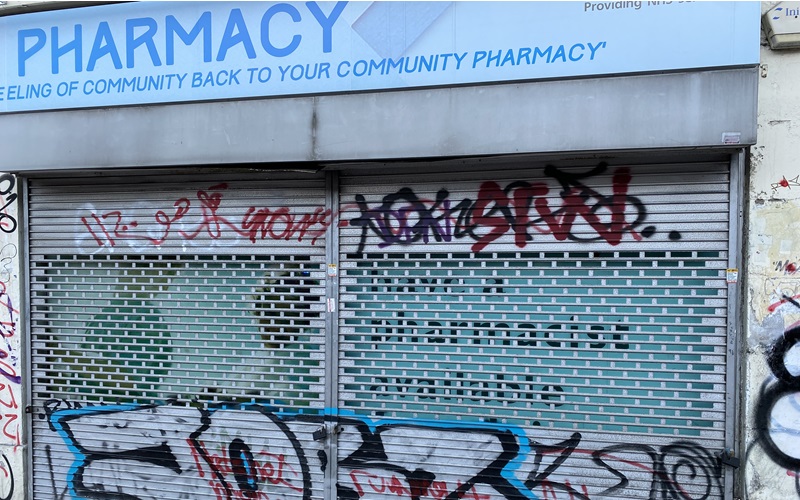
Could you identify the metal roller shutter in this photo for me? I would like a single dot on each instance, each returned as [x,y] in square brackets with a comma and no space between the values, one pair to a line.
[549,331]
[515,330]
[172,319]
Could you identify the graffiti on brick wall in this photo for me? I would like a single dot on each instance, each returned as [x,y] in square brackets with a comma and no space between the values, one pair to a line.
[252,451]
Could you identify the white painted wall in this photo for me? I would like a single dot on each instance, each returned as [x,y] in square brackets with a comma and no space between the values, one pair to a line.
[12,416]
[773,259]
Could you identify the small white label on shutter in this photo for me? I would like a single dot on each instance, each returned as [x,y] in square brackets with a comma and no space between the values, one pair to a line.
[731,137]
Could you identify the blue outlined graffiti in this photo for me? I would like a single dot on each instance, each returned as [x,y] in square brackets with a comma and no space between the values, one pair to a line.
[252,451]
[240,473]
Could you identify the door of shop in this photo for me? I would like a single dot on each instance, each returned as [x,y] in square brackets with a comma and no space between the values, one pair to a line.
[517,330]
[555,331]
[171,322]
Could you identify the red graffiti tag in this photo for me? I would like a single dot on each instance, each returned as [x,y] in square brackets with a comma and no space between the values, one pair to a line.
[266,468]
[380,484]
[256,224]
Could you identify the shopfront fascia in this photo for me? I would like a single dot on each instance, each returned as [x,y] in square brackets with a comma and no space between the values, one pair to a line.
[491,289]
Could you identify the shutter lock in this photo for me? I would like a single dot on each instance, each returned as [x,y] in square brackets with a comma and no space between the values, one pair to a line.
[727,457]
[322,432]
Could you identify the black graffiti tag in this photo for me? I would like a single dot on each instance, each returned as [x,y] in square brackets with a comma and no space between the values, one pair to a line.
[787,386]
[8,224]
[522,208]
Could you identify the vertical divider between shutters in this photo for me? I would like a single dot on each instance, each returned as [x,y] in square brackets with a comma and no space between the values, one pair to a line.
[732,429]
[332,331]
[26,344]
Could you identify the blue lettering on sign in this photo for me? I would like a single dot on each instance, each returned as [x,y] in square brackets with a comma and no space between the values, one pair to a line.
[104,45]
[526,55]
[265,41]
[326,22]
[236,22]
[173,27]
[140,35]
[73,46]
[26,53]
[146,38]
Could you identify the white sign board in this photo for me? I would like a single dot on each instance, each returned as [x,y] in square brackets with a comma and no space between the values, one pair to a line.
[158,52]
